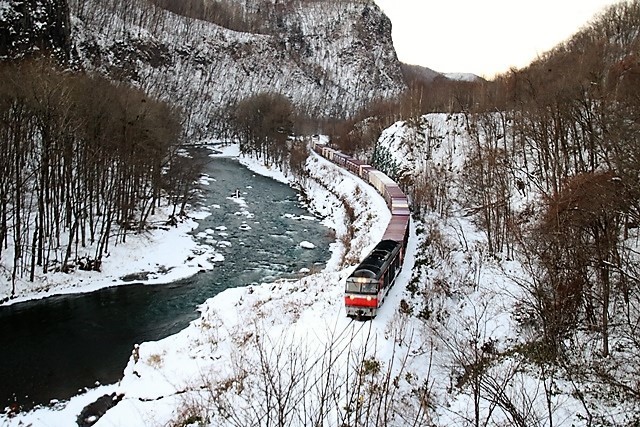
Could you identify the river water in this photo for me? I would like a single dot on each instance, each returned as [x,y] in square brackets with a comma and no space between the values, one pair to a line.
[55,347]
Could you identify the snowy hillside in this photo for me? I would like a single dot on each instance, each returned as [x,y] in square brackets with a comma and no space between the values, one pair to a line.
[477,291]
[329,58]
[34,26]
[446,349]
[463,77]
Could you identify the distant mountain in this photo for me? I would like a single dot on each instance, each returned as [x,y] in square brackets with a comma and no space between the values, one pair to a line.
[427,75]
[464,77]
[417,72]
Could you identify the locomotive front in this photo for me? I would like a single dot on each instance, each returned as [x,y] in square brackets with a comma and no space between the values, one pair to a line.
[367,286]
[362,294]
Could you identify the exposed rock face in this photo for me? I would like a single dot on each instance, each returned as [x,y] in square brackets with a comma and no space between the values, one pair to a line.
[329,57]
[33,26]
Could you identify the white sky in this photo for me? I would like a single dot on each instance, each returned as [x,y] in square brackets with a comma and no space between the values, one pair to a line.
[483,37]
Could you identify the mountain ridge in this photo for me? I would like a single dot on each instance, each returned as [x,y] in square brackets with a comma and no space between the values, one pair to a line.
[329,58]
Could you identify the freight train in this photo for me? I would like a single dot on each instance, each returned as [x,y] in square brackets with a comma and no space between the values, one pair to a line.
[368,285]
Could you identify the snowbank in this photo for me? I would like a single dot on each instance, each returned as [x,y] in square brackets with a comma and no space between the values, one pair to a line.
[164,255]
[161,375]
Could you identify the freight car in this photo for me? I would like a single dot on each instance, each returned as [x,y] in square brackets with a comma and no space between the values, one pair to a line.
[368,285]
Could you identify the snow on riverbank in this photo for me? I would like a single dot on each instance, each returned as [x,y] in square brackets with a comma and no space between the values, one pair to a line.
[163,255]
[165,372]
[180,377]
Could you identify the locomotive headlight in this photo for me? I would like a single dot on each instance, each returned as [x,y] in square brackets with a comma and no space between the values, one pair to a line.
[368,298]
[350,296]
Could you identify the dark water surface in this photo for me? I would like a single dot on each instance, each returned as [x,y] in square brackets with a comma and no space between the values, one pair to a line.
[52,348]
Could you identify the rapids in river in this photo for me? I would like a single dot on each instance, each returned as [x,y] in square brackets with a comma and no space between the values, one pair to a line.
[56,347]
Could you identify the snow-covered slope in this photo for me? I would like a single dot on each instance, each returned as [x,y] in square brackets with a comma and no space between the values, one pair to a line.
[427,75]
[446,348]
[463,77]
[476,300]
[329,58]
[27,27]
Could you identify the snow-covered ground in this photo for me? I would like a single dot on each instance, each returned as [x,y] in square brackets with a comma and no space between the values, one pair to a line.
[291,332]
[166,254]
[163,372]
[442,351]
[163,255]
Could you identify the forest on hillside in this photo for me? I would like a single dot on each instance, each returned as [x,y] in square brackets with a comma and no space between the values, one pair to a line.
[83,163]
[565,132]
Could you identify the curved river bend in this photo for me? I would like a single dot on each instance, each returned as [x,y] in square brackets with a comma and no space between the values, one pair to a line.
[55,347]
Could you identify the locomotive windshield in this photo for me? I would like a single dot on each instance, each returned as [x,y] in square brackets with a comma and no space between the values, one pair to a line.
[362,285]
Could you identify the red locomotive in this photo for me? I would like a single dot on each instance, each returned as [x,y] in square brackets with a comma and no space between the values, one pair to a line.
[370,282]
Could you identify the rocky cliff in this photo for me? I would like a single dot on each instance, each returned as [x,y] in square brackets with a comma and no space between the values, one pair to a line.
[329,57]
